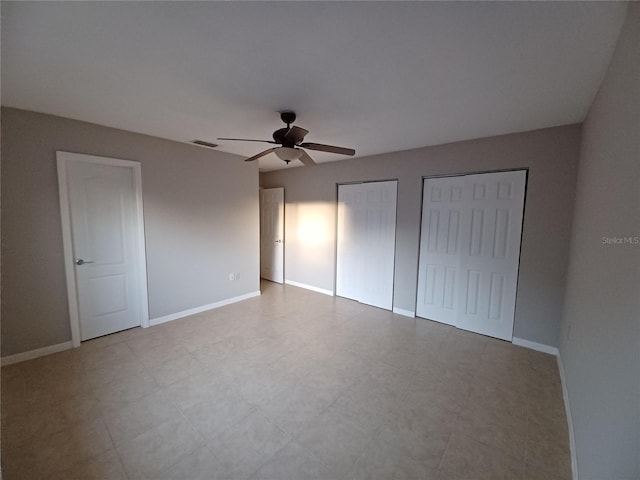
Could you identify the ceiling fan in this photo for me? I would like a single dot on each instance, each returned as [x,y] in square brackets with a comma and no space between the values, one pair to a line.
[291,143]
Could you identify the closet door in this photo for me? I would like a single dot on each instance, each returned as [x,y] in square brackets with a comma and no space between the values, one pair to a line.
[439,264]
[350,230]
[378,244]
[366,242]
[470,250]
[491,233]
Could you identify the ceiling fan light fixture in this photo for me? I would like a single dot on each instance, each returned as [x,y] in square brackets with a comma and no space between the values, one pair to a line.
[291,141]
[288,154]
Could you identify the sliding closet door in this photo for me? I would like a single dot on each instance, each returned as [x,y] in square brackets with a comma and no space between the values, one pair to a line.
[470,250]
[349,254]
[378,244]
[366,242]
[439,264]
[491,233]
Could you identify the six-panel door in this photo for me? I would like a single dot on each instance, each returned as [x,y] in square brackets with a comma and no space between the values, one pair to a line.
[439,265]
[366,242]
[470,250]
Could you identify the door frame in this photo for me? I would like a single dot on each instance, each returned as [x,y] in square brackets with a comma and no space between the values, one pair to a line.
[62,159]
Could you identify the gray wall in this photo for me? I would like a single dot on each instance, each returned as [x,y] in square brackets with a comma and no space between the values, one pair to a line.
[201,223]
[600,350]
[551,156]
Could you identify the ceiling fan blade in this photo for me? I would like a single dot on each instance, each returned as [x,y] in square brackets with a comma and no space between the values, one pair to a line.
[261,154]
[295,135]
[328,148]
[247,140]
[306,159]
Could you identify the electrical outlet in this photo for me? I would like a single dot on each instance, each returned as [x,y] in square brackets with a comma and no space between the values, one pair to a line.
[237,276]
[231,276]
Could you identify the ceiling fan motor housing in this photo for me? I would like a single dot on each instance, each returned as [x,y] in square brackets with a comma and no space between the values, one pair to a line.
[278,137]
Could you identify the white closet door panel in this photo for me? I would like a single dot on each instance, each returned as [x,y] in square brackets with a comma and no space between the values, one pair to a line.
[348,255]
[378,244]
[490,252]
[438,272]
[366,242]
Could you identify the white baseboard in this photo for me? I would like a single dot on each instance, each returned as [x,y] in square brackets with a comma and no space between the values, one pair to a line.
[309,287]
[203,308]
[41,352]
[540,347]
[38,352]
[567,409]
[404,313]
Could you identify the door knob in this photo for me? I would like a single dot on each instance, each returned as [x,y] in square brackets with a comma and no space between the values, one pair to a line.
[82,262]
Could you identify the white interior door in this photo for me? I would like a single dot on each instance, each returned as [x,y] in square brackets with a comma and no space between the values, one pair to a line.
[366,242]
[439,264]
[272,234]
[101,211]
[470,251]
[348,252]
[491,231]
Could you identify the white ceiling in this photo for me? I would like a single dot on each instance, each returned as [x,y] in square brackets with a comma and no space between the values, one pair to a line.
[377,77]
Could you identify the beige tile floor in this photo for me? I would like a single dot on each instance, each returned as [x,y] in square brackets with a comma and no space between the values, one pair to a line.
[290,385]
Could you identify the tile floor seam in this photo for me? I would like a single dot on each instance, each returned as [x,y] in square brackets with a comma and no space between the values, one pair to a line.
[364,450]
[180,458]
[266,461]
[106,426]
[184,417]
[124,470]
[144,367]
[444,453]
